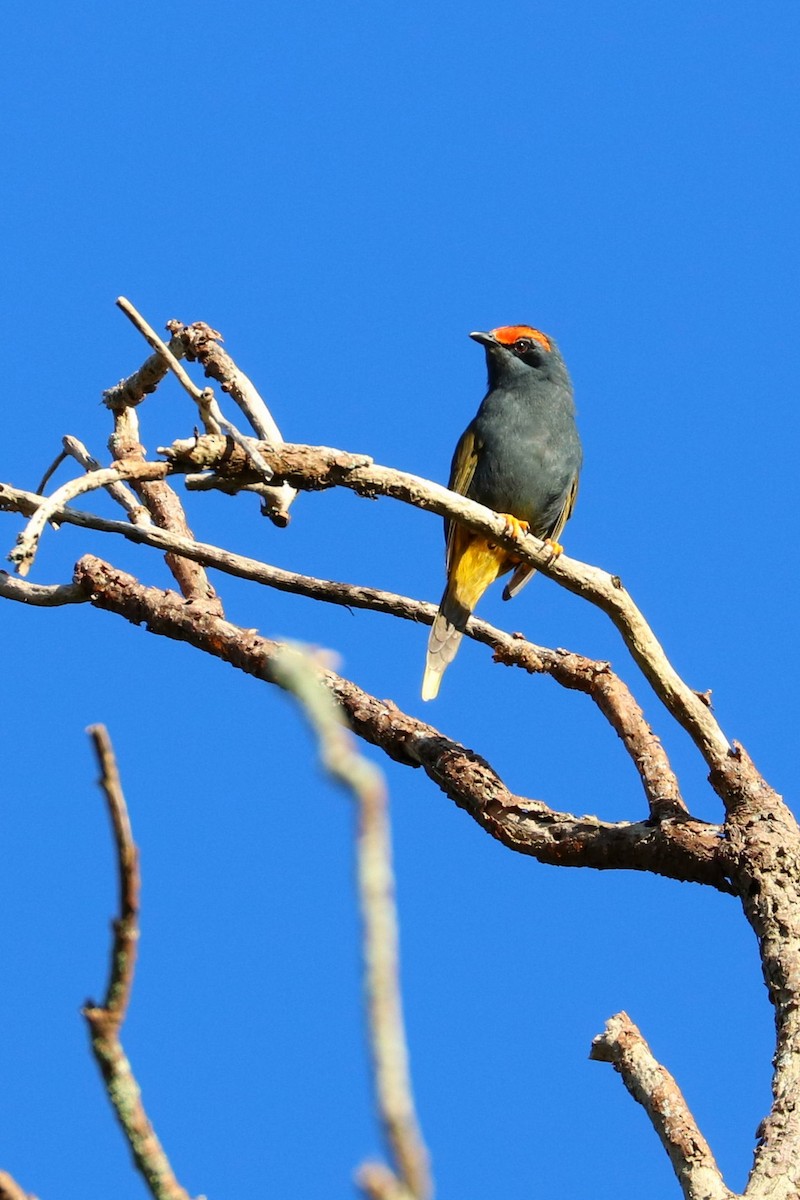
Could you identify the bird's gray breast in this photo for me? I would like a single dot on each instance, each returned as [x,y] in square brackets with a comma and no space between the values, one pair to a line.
[530,455]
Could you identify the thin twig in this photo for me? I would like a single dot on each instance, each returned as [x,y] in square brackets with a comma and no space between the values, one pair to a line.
[105,1021]
[27,543]
[202,343]
[295,672]
[40,595]
[51,470]
[136,511]
[655,1089]
[74,448]
[126,926]
[574,671]
[210,413]
[199,395]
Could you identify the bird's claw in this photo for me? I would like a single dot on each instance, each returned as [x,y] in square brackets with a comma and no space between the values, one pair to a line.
[515,526]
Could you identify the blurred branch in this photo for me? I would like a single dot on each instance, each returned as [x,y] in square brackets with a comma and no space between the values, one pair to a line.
[295,672]
[11,1190]
[379,1183]
[682,848]
[105,1021]
[655,1089]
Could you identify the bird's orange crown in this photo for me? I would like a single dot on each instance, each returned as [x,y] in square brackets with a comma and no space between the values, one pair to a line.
[508,334]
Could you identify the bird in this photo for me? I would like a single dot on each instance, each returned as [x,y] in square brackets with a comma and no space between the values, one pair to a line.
[521,456]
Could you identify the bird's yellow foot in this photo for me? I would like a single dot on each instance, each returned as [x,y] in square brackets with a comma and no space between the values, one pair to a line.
[513,525]
[520,528]
[554,547]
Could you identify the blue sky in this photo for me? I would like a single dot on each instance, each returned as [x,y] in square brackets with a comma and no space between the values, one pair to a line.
[345,191]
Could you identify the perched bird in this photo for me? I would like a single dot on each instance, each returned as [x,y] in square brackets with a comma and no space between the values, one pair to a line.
[521,456]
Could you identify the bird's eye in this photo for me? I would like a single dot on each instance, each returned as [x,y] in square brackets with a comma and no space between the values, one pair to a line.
[522,345]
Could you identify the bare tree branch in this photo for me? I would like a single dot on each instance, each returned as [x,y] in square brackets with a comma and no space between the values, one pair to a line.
[143,382]
[137,512]
[655,1089]
[27,543]
[51,595]
[74,448]
[574,671]
[678,848]
[320,467]
[210,413]
[295,672]
[203,397]
[762,845]
[755,854]
[527,825]
[162,503]
[105,1021]
[201,342]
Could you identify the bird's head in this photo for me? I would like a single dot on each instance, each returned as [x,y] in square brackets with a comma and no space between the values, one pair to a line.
[519,352]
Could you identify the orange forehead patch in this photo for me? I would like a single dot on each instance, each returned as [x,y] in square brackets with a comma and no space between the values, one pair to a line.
[508,334]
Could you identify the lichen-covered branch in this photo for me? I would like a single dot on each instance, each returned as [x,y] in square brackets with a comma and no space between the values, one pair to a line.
[762,845]
[655,1089]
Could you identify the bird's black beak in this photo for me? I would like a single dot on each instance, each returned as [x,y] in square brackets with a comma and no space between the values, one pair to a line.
[485,339]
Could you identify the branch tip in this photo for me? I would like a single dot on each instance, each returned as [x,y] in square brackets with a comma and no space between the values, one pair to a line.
[651,1085]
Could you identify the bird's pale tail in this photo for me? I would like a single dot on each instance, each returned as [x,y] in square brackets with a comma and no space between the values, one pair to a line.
[476,566]
[445,637]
